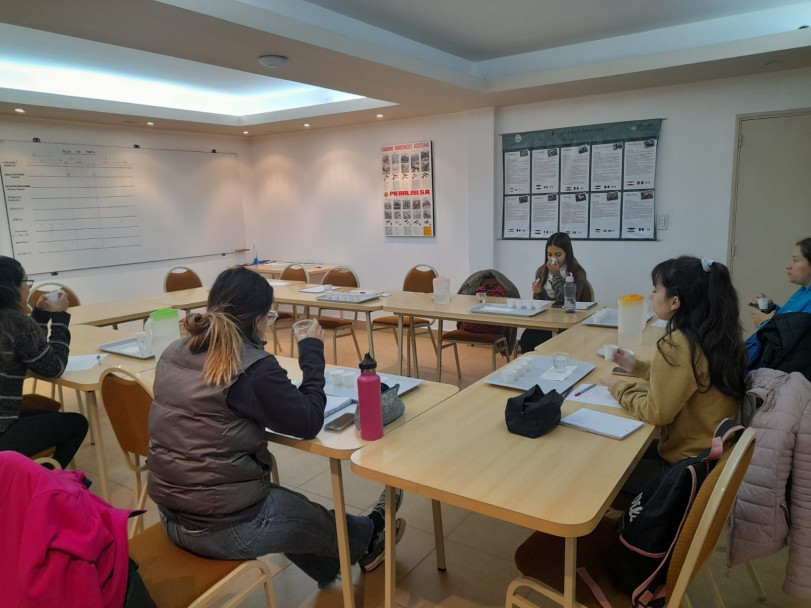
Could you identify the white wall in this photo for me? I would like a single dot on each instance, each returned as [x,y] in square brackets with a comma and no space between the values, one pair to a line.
[120,282]
[693,179]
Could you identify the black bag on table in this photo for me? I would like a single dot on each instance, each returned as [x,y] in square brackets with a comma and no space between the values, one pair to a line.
[639,557]
[533,413]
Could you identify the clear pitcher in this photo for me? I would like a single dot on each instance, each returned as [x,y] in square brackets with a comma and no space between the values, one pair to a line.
[632,317]
[162,328]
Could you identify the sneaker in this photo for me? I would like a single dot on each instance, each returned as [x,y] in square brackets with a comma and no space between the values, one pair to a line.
[380,506]
[375,556]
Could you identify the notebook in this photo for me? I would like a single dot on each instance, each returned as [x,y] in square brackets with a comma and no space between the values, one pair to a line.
[608,425]
[336,404]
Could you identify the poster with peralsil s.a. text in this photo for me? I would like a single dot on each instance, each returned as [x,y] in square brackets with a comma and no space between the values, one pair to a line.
[408,189]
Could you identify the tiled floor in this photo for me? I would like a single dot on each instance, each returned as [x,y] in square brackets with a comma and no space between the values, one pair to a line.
[479,549]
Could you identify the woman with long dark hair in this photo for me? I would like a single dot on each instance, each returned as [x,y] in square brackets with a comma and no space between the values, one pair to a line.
[550,280]
[696,377]
[209,467]
[26,346]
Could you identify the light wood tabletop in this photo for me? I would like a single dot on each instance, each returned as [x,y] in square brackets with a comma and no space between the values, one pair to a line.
[184,298]
[113,313]
[415,304]
[460,452]
[341,445]
[274,269]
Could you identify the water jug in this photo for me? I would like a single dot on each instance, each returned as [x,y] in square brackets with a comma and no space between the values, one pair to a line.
[370,405]
[632,317]
[442,290]
[162,329]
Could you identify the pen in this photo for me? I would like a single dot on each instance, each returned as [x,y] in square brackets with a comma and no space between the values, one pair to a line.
[588,388]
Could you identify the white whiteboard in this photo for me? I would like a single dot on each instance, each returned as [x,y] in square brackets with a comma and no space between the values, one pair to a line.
[72,206]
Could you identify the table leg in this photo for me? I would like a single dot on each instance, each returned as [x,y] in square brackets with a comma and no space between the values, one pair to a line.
[439,351]
[400,344]
[390,563]
[343,533]
[95,422]
[569,572]
[439,536]
[369,332]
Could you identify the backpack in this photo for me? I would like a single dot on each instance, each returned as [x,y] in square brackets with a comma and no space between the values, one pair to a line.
[496,291]
[639,557]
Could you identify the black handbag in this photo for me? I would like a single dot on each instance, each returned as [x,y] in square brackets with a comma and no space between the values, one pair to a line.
[533,414]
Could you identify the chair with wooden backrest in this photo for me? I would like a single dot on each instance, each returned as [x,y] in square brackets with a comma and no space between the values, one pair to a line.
[178,579]
[588,293]
[500,342]
[294,272]
[540,557]
[339,327]
[419,279]
[181,277]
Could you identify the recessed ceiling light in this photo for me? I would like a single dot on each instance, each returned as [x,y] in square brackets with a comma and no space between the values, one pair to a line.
[150,124]
[272,61]
[245,132]
[19,110]
[306,124]
[379,115]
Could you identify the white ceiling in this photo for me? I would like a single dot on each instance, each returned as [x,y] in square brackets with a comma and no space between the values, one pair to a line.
[191,64]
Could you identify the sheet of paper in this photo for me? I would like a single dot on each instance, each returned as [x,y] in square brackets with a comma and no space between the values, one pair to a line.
[608,425]
[278,283]
[584,305]
[316,289]
[81,363]
[599,395]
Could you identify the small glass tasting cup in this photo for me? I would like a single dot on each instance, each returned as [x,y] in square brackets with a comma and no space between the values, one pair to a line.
[481,297]
[300,328]
[560,361]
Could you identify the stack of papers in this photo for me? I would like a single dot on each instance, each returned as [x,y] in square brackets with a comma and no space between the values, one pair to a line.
[316,289]
[608,425]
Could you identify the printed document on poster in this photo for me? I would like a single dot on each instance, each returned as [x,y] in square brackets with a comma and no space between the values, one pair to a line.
[545,170]
[516,172]
[516,217]
[544,220]
[574,168]
[606,166]
[638,215]
[640,164]
[604,219]
[574,214]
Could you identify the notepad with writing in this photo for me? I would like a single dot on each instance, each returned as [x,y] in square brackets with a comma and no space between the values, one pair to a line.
[608,425]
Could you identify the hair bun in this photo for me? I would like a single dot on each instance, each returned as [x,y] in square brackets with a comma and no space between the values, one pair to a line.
[197,323]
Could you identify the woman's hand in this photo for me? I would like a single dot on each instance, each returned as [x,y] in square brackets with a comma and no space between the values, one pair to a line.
[753,301]
[609,382]
[58,305]
[625,360]
[314,331]
[758,317]
[536,286]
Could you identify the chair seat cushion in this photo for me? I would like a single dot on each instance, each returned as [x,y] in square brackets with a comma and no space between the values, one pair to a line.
[406,321]
[460,335]
[333,323]
[541,557]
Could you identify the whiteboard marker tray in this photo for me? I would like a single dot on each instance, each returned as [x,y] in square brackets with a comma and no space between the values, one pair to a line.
[128,348]
[505,310]
[347,298]
[539,364]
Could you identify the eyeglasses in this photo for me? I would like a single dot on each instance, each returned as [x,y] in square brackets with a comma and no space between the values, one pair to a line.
[272,316]
[29,282]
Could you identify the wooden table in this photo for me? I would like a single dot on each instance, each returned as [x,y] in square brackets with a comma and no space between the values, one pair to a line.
[414,304]
[183,299]
[292,294]
[113,313]
[274,269]
[84,341]
[460,452]
[338,446]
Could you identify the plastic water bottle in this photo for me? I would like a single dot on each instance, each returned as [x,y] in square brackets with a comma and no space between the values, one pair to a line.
[370,405]
[569,294]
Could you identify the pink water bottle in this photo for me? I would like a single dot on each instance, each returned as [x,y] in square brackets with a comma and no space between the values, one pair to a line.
[370,406]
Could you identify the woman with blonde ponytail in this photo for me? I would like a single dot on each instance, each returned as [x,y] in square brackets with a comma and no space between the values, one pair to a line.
[216,392]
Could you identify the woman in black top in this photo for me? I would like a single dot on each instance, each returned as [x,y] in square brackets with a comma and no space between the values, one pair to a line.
[25,345]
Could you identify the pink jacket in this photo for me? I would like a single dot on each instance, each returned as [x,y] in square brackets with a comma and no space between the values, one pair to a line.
[60,545]
[763,513]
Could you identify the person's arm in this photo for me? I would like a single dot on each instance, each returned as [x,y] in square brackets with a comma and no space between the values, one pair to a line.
[659,400]
[43,355]
[265,394]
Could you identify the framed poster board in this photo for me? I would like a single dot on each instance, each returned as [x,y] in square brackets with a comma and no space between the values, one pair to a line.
[408,189]
[591,182]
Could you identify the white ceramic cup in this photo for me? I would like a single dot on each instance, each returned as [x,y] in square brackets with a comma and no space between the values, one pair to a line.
[334,376]
[349,378]
[53,296]
[561,362]
[763,304]
[609,350]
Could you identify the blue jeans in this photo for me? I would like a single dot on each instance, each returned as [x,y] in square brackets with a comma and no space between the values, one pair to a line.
[288,523]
